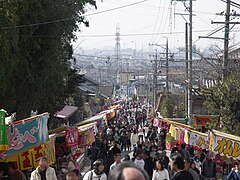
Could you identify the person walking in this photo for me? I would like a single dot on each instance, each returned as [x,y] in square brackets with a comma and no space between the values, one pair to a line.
[160,173]
[189,169]
[134,139]
[178,167]
[124,141]
[141,133]
[117,159]
[149,164]
[209,167]
[184,152]
[97,173]
[14,173]
[139,159]
[235,172]
[43,171]
[72,175]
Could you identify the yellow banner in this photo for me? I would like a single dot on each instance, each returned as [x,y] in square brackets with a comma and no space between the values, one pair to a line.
[28,159]
[50,151]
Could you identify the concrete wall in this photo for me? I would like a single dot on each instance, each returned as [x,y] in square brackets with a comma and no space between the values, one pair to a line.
[106,90]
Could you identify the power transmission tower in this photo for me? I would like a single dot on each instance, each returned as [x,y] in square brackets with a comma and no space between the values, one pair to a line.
[118,52]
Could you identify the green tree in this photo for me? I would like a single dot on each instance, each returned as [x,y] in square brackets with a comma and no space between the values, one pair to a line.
[35,50]
[167,106]
[224,99]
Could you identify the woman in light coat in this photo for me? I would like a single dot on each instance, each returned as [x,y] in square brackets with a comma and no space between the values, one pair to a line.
[134,139]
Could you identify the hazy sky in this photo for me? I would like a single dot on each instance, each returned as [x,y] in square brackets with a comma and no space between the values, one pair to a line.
[151,16]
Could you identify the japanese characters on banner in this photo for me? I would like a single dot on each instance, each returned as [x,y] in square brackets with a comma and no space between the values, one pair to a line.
[164,124]
[50,151]
[198,140]
[28,159]
[87,137]
[180,135]
[226,146]
[71,136]
[3,137]
[28,134]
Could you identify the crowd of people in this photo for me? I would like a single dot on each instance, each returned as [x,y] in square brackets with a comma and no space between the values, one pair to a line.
[129,147]
[131,132]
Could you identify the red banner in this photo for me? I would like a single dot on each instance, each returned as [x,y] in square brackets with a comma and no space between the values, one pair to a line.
[71,136]
[202,120]
[163,124]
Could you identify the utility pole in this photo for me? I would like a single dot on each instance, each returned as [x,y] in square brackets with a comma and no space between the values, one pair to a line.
[186,67]
[127,77]
[226,39]
[167,67]
[190,64]
[167,60]
[189,49]
[226,34]
[155,82]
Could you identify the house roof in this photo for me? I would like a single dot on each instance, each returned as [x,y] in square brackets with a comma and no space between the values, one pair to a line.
[85,89]
[66,112]
[92,81]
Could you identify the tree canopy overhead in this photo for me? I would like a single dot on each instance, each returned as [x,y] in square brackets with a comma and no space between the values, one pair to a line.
[35,49]
[224,99]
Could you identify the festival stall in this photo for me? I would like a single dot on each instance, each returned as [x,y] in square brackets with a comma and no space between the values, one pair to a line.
[175,130]
[226,145]
[3,138]
[108,113]
[74,140]
[28,140]
[178,133]
[226,148]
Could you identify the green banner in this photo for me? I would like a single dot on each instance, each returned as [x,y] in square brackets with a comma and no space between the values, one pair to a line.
[3,133]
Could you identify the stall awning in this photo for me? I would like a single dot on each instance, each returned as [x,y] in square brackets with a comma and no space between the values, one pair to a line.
[229,136]
[66,112]
[86,127]
[226,145]
[90,120]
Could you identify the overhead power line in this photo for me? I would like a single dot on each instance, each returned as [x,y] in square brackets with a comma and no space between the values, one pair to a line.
[67,19]
[122,35]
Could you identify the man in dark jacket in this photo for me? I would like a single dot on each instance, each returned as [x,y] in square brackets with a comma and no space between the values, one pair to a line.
[209,167]
[149,164]
[124,140]
[178,167]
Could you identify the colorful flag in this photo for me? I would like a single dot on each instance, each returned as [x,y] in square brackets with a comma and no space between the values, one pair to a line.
[3,134]
[71,136]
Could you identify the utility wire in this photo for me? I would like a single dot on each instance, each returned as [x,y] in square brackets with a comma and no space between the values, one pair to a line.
[67,19]
[155,26]
[123,35]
